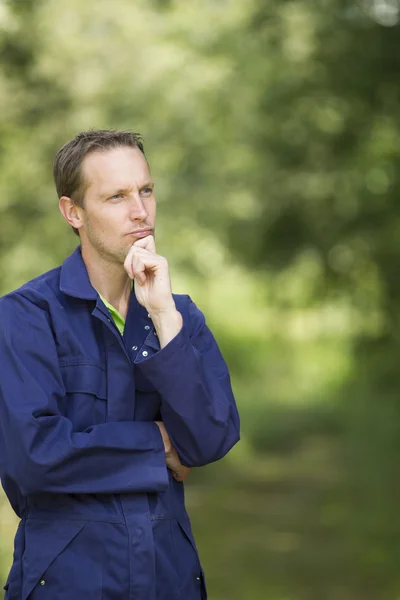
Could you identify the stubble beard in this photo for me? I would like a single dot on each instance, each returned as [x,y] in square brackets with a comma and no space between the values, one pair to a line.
[113,255]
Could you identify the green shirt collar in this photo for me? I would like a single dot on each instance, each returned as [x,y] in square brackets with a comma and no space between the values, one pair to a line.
[118,318]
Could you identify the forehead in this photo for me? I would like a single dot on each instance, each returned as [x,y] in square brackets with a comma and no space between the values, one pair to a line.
[122,166]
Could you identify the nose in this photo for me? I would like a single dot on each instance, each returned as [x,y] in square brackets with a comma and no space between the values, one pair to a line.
[138,211]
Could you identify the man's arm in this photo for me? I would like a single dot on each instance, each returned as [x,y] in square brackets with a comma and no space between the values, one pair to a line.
[198,408]
[43,453]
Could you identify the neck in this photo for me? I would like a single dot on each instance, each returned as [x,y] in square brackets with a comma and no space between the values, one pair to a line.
[109,279]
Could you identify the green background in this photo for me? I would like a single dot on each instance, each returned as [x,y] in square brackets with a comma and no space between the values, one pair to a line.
[272,131]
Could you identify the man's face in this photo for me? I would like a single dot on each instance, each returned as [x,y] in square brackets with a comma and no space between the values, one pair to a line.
[119,206]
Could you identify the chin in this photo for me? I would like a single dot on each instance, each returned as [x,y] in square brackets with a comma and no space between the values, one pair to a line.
[123,253]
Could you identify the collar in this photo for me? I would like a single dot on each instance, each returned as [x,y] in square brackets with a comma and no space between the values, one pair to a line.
[74,278]
[75,282]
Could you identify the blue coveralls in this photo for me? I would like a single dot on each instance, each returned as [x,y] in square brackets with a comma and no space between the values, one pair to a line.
[82,461]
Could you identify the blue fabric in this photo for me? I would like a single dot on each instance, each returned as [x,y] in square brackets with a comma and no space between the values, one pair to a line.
[81,459]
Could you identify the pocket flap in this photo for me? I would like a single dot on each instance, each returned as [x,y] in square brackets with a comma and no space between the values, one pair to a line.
[44,541]
[85,378]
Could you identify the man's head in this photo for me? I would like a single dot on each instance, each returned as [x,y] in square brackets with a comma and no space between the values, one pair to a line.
[105,188]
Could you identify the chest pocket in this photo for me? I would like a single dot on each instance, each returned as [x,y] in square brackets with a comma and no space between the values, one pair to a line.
[85,401]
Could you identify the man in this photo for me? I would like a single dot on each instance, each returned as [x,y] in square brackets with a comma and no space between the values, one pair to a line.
[111,389]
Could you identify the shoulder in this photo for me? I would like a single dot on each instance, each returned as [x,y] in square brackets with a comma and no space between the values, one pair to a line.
[41,292]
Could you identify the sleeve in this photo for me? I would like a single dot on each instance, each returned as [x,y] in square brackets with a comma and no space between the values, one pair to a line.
[42,453]
[198,406]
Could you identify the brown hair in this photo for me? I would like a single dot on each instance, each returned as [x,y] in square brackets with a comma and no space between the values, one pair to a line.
[67,169]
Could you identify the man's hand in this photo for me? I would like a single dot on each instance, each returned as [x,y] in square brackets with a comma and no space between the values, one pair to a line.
[179,471]
[150,273]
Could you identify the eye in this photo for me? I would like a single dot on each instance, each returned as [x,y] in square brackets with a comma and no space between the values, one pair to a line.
[147,191]
[116,197]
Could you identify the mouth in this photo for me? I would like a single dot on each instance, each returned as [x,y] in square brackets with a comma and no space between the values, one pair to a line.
[141,233]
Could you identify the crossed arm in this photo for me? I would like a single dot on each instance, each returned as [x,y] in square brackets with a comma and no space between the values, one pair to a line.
[38,446]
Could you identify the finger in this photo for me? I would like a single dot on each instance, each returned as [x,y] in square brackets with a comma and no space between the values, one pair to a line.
[148,257]
[135,250]
[128,264]
[152,262]
[140,262]
[148,243]
[182,473]
[138,269]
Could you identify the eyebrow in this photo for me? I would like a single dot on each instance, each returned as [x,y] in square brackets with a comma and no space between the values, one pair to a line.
[147,184]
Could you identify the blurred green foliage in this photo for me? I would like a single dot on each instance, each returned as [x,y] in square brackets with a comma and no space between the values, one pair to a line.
[272,130]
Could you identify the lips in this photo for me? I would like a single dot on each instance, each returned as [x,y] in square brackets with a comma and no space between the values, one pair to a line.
[141,232]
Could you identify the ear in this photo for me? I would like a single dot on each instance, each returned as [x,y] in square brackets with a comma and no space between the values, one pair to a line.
[71,212]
